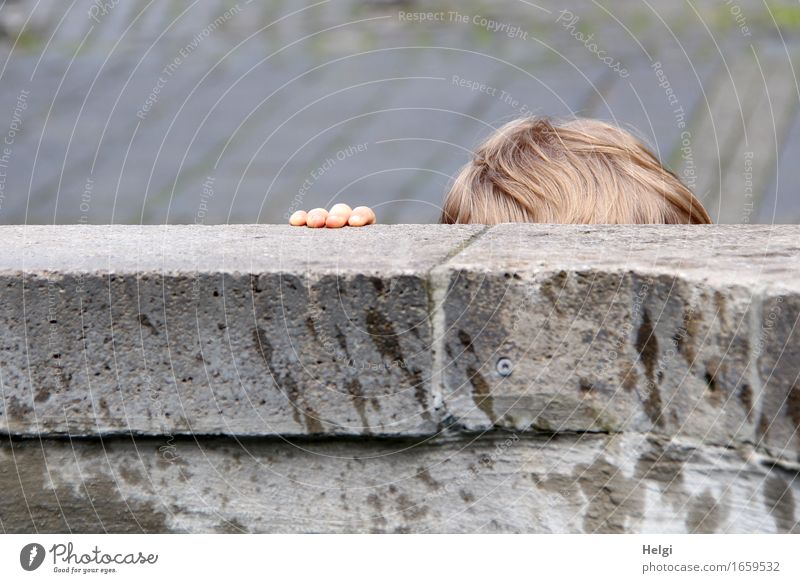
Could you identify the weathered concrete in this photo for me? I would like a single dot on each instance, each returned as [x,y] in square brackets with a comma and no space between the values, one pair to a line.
[639,378]
[500,483]
[671,330]
[246,330]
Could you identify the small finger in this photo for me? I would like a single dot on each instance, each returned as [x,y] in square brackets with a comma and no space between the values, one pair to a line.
[362,215]
[338,216]
[298,218]
[316,218]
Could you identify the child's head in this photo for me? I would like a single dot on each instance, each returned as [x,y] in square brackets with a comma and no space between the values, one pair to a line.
[533,170]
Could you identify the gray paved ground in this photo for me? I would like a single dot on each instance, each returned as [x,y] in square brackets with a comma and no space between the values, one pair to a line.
[281,105]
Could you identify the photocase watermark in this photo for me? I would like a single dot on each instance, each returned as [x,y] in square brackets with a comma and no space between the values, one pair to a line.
[688,174]
[768,322]
[501,95]
[317,173]
[7,147]
[206,194]
[747,175]
[85,204]
[31,556]
[336,347]
[739,17]
[174,65]
[511,31]
[100,9]
[65,559]
[569,21]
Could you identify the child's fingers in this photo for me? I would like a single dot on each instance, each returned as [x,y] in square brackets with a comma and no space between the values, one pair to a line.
[338,217]
[298,218]
[316,218]
[361,216]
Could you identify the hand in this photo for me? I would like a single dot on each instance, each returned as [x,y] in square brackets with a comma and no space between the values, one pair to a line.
[339,216]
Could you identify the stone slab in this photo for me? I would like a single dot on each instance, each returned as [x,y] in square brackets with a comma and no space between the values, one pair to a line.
[501,483]
[239,329]
[612,328]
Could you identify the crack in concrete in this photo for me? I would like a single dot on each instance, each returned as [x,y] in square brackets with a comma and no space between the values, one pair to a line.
[437,282]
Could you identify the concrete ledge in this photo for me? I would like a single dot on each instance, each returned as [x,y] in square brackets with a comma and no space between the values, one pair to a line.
[619,337]
[397,330]
[500,483]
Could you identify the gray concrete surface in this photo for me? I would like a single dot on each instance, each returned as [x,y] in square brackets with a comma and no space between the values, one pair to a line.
[269,378]
[502,482]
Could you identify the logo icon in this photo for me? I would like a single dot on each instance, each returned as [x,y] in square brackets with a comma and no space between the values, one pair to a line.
[31,556]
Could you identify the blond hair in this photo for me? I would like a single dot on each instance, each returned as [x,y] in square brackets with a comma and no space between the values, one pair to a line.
[534,170]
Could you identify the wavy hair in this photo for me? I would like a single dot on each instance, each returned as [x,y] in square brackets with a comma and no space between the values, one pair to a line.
[582,171]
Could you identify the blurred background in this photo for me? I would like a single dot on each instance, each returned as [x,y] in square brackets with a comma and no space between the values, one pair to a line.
[223,111]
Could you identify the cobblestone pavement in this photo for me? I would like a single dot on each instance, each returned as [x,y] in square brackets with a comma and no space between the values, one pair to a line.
[221,111]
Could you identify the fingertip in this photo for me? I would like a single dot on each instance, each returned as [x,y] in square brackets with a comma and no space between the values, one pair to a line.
[341,209]
[298,218]
[366,216]
[335,221]
[316,218]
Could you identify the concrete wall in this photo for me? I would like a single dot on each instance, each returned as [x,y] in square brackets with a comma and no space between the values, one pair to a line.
[520,378]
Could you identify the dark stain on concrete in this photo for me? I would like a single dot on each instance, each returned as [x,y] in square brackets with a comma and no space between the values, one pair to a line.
[763,425]
[377,283]
[793,405]
[420,393]
[144,320]
[42,395]
[410,510]
[486,461]
[553,288]
[615,501]
[647,347]
[467,497]
[630,378]
[722,307]
[341,339]
[481,392]
[312,329]
[711,382]
[16,409]
[383,335]
[356,391]
[705,514]
[93,505]
[131,474]
[302,412]
[386,340]
[663,464]
[711,377]
[425,477]
[685,337]
[746,399]
[232,526]
[779,502]
[310,416]
[466,340]
[564,486]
